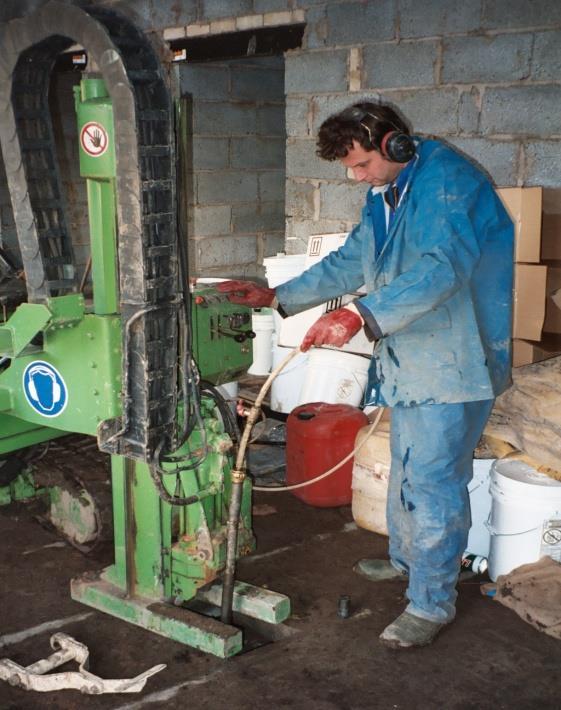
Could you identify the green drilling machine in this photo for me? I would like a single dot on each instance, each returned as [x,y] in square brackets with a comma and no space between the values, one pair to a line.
[135,365]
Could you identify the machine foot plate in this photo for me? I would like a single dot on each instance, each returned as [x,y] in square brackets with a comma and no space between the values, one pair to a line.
[182,625]
[252,601]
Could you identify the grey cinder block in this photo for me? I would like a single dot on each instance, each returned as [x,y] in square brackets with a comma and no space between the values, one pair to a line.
[390,65]
[486,59]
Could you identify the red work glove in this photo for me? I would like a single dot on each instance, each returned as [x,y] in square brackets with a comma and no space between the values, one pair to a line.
[247,293]
[334,328]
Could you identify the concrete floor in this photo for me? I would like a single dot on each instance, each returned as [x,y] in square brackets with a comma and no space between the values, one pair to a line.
[489,658]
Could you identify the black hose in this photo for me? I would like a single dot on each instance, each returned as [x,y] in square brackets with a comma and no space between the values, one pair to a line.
[156,471]
[228,418]
[167,497]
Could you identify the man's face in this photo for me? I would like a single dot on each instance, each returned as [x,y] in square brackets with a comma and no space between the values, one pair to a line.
[370,166]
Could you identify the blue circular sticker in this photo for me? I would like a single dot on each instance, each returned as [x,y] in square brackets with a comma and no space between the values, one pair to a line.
[44,388]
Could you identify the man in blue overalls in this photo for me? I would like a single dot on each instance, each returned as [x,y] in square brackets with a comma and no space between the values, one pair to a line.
[434,249]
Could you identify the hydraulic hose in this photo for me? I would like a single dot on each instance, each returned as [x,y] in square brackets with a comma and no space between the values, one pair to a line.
[238,477]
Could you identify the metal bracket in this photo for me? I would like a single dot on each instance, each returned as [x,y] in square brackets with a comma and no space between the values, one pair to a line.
[68,649]
[29,319]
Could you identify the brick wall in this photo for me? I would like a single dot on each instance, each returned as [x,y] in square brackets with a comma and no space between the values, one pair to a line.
[237,163]
[484,75]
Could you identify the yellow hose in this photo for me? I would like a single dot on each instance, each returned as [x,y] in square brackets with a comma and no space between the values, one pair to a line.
[254,414]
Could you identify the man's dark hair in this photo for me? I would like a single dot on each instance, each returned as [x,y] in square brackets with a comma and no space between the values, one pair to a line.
[366,123]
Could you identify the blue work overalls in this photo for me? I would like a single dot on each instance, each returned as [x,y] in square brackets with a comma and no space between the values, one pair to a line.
[439,298]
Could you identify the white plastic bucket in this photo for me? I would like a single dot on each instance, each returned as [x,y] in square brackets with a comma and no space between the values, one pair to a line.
[278,270]
[479,538]
[525,520]
[335,377]
[285,390]
[283,267]
[371,473]
[263,326]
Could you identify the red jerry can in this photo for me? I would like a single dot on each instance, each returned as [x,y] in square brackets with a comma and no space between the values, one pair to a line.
[318,436]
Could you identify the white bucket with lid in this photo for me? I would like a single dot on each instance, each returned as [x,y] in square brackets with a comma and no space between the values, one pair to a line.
[278,270]
[283,267]
[480,501]
[285,390]
[371,473]
[263,326]
[525,519]
[335,377]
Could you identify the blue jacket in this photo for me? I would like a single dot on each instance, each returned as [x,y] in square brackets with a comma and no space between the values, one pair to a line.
[440,291]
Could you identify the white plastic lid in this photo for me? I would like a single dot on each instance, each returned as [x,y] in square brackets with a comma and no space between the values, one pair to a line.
[522,472]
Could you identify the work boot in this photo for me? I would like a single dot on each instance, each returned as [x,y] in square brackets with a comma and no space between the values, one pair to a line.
[383,570]
[409,631]
[378,570]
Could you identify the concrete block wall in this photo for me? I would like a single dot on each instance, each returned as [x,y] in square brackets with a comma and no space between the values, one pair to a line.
[484,75]
[237,164]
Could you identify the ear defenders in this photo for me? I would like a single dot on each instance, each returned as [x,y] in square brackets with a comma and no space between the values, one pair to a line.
[396,145]
[42,370]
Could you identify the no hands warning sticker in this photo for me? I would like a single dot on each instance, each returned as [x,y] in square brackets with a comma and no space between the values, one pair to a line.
[94,139]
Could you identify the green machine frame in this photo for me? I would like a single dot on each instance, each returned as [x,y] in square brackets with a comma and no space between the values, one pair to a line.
[169,511]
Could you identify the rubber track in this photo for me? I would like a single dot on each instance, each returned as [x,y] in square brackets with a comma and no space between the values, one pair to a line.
[146,201]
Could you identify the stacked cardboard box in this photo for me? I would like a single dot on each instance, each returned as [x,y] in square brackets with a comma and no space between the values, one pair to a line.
[537,273]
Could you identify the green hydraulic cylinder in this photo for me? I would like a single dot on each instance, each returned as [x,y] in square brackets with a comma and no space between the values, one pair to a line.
[98,166]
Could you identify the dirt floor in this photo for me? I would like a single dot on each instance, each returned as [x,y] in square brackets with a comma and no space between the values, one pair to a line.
[489,658]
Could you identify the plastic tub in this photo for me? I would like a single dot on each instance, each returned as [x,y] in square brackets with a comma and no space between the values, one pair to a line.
[283,267]
[525,520]
[285,390]
[263,326]
[335,377]
[278,270]
[371,473]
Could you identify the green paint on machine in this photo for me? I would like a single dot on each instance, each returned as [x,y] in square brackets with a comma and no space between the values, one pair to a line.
[65,366]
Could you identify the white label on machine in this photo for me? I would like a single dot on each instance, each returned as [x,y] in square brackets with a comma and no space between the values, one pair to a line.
[551,539]
[94,139]
[44,388]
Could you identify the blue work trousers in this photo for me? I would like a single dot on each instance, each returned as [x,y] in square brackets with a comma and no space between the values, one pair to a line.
[428,503]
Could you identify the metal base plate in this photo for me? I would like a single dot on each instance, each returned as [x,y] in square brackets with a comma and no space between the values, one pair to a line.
[204,633]
[252,601]
[180,624]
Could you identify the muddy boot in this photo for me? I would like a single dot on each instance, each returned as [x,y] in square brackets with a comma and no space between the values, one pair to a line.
[409,631]
[378,570]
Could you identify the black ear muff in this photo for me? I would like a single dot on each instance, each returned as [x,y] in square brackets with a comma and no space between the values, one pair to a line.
[397,146]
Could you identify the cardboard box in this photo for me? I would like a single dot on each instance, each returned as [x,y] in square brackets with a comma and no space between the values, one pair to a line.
[551,198]
[552,323]
[551,237]
[294,328]
[524,205]
[525,352]
[529,301]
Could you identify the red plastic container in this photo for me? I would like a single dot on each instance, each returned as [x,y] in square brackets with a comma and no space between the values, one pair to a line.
[318,436]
